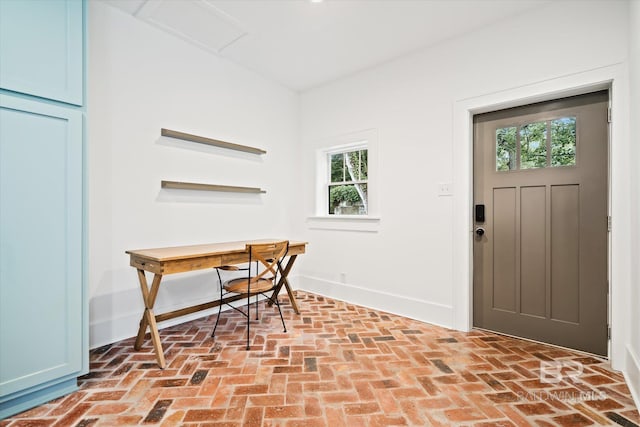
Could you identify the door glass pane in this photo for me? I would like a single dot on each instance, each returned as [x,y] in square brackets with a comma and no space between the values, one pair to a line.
[533,145]
[506,149]
[348,199]
[563,141]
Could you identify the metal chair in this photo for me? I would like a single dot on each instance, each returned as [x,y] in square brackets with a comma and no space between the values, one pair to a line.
[267,258]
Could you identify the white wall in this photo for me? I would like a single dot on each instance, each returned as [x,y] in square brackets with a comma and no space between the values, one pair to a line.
[633,357]
[141,79]
[410,266]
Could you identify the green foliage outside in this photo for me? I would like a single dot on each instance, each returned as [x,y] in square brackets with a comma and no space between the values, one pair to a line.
[506,149]
[533,145]
[563,141]
[348,170]
[342,193]
[340,170]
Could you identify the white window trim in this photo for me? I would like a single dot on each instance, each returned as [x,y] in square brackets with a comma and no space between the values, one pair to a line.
[349,142]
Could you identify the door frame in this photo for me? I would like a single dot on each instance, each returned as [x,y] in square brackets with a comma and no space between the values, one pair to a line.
[615,79]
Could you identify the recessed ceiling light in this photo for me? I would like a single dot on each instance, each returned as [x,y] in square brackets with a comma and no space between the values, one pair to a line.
[316,1]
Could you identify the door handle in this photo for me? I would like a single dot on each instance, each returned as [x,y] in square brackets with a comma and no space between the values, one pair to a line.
[480,231]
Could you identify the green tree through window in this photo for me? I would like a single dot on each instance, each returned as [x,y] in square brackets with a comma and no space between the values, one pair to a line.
[563,142]
[348,183]
[506,149]
[528,144]
[533,145]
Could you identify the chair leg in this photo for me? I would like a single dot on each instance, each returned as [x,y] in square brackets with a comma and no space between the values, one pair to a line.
[248,319]
[280,312]
[257,307]
[219,305]
[217,320]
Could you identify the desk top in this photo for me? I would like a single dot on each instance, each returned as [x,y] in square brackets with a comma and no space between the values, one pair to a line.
[194,251]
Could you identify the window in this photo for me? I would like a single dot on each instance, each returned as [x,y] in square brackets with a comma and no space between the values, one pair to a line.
[533,145]
[563,141]
[347,183]
[506,149]
[550,143]
[347,188]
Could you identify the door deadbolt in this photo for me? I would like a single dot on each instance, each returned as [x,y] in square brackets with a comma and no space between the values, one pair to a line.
[480,231]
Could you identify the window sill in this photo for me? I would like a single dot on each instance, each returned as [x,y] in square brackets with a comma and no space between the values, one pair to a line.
[344,222]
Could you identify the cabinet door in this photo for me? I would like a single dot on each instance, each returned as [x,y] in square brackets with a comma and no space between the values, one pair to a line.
[41,48]
[41,290]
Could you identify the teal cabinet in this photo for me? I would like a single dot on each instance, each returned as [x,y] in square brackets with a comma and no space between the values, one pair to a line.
[41,48]
[41,287]
[43,302]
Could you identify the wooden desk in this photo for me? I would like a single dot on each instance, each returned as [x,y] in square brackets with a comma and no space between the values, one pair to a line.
[180,259]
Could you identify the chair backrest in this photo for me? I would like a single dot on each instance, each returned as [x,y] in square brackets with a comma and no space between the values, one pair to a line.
[269,255]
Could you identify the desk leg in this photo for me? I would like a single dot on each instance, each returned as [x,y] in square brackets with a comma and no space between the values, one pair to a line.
[148,318]
[284,281]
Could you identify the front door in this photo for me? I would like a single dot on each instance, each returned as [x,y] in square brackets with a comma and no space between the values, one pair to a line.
[540,212]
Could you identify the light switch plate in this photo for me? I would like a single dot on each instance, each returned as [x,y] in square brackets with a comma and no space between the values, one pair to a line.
[444,189]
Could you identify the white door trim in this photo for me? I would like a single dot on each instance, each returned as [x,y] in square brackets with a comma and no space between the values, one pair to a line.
[614,77]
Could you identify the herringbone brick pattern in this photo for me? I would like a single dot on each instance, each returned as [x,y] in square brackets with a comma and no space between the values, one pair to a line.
[339,365]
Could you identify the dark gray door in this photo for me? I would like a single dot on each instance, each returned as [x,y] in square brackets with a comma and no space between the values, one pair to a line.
[540,267]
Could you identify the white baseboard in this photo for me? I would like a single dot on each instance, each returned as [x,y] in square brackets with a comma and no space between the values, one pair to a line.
[118,316]
[414,308]
[632,375]
[125,326]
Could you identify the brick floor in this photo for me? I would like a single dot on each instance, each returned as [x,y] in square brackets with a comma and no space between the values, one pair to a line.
[339,365]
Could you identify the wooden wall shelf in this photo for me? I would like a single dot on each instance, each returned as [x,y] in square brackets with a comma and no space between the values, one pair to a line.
[209,141]
[210,187]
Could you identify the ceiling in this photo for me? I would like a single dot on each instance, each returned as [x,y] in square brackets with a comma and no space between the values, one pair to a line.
[302,44]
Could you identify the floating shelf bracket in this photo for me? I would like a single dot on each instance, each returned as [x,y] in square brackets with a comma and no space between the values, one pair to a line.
[210,187]
[209,141]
